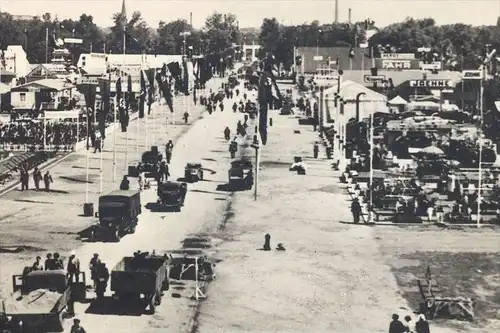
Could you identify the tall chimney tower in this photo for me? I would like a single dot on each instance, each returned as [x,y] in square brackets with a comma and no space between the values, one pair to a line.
[191,19]
[349,17]
[336,11]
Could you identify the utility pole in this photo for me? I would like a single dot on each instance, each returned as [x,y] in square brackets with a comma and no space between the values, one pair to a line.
[256,146]
[336,11]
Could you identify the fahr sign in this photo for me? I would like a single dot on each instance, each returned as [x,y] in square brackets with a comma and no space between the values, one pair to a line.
[396,64]
[433,84]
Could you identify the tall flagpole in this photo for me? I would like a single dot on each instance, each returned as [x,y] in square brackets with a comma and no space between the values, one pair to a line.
[114,132]
[126,103]
[87,165]
[44,131]
[371,170]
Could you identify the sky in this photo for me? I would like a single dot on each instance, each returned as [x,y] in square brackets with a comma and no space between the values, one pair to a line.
[250,13]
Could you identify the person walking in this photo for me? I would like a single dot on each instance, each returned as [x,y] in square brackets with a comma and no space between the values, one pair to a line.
[47,179]
[37,178]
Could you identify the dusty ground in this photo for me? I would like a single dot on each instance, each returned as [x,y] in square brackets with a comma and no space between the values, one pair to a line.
[334,276]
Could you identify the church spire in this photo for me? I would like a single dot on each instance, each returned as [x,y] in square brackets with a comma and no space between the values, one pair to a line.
[124,12]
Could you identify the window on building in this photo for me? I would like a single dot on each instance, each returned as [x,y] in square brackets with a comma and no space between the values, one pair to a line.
[83,63]
[83,58]
[23,97]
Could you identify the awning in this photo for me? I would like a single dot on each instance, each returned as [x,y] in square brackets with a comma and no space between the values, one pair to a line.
[4,89]
[398,100]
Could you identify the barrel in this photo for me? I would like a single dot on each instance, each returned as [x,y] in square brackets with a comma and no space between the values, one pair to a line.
[88,209]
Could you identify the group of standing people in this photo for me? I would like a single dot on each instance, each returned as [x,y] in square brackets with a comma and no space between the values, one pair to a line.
[37,178]
[409,326]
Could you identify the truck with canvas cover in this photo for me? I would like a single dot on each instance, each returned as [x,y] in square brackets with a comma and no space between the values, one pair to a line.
[150,161]
[140,275]
[172,194]
[39,298]
[241,174]
[118,214]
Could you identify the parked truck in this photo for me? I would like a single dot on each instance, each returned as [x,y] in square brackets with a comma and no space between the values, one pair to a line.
[40,298]
[140,275]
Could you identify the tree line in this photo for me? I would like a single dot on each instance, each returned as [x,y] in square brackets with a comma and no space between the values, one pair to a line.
[220,34]
[460,46]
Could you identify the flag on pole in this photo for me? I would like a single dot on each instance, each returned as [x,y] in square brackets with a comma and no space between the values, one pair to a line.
[104,87]
[150,74]
[263,99]
[164,87]
[142,95]
[128,94]
[89,92]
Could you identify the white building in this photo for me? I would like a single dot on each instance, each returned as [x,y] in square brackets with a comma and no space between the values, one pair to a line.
[16,60]
[94,62]
[250,52]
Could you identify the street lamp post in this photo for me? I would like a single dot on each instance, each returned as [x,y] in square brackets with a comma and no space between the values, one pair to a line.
[184,34]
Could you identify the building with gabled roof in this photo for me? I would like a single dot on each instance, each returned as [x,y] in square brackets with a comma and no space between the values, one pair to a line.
[45,94]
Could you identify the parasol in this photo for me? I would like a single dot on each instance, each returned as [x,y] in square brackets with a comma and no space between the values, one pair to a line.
[431,150]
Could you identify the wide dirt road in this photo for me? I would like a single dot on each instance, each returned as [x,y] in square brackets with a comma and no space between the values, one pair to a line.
[332,277]
[49,224]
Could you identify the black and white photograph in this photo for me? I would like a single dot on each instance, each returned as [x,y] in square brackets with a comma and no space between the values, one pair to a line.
[249,166]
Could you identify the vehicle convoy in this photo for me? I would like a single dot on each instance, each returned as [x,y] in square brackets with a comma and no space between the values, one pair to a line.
[118,215]
[40,298]
[193,172]
[172,195]
[241,175]
[140,275]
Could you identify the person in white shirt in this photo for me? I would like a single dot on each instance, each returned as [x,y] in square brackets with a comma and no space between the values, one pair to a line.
[430,213]
[140,180]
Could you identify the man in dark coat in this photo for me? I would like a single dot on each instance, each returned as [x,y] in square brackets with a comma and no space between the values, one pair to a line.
[355,210]
[37,178]
[47,179]
[24,179]
[396,326]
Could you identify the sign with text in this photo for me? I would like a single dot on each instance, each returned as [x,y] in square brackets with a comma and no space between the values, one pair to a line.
[434,66]
[318,58]
[398,56]
[396,64]
[374,79]
[433,84]
[472,75]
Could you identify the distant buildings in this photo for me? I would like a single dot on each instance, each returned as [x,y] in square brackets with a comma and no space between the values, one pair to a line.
[16,61]
[99,62]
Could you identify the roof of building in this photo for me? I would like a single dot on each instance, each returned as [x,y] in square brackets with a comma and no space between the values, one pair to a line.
[54,69]
[350,89]
[6,73]
[399,77]
[341,53]
[50,84]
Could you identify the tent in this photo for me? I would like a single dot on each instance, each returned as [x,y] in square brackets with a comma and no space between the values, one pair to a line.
[369,101]
[398,100]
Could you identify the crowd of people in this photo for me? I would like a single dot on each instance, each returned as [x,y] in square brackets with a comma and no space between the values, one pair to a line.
[31,132]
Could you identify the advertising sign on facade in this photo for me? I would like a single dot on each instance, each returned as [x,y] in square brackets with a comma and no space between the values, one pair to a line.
[396,64]
[318,58]
[436,65]
[399,56]
[472,75]
[374,79]
[433,84]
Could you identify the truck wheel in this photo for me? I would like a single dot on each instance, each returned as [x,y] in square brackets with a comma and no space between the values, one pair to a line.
[93,235]
[117,235]
[152,307]
[165,285]
[157,299]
